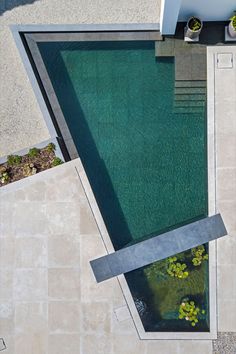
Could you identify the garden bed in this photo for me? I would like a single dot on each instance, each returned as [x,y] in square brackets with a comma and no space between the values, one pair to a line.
[36,160]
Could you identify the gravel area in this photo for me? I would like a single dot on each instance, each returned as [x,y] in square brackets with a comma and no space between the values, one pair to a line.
[225,344]
[21,121]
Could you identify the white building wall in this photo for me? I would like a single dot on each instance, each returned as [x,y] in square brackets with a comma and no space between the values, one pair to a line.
[207,10]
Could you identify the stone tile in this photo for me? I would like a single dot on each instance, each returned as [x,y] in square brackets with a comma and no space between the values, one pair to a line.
[33,343]
[227,208]
[123,327]
[6,318]
[64,343]
[31,317]
[122,313]
[195,347]
[163,347]
[128,344]
[226,184]
[30,285]
[31,252]
[226,150]
[226,283]
[6,284]
[6,217]
[97,344]
[87,221]
[70,188]
[36,191]
[226,315]
[64,284]
[7,252]
[226,251]
[63,317]
[63,251]
[96,317]
[31,219]
[62,218]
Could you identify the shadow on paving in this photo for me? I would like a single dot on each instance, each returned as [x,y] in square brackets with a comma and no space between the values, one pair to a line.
[7,5]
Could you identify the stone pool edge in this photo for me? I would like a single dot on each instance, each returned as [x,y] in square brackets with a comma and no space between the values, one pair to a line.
[16,29]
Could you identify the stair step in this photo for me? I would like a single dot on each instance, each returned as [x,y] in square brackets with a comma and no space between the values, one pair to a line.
[187,83]
[188,110]
[164,48]
[190,97]
[189,90]
[189,104]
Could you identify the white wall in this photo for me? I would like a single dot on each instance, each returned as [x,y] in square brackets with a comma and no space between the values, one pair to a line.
[169,15]
[207,10]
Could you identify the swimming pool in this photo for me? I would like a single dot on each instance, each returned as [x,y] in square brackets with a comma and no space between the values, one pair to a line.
[147,164]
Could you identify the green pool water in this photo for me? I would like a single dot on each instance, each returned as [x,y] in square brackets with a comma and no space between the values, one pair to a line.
[146,164]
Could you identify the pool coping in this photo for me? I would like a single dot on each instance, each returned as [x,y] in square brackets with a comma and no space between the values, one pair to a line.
[16,30]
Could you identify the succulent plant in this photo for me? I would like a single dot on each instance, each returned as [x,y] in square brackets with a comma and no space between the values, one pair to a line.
[176,269]
[56,161]
[51,147]
[190,312]
[33,152]
[14,160]
[199,255]
[4,176]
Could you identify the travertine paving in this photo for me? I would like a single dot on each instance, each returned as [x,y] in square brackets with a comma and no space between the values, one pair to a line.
[50,302]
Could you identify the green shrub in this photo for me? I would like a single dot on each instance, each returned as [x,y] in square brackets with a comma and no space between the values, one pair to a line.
[33,152]
[233,20]
[51,147]
[199,255]
[189,312]
[56,161]
[195,24]
[176,269]
[4,177]
[14,160]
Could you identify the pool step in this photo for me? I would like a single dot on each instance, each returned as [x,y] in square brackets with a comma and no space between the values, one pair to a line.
[188,110]
[165,48]
[189,97]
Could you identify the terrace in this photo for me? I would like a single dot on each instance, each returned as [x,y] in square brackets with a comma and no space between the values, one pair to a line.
[60,229]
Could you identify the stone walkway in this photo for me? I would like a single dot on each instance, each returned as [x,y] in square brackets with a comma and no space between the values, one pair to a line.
[50,302]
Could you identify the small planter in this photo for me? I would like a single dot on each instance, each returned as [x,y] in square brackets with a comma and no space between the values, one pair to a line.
[232,27]
[194,27]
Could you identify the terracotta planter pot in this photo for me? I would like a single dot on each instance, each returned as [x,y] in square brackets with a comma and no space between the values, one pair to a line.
[231,30]
[190,33]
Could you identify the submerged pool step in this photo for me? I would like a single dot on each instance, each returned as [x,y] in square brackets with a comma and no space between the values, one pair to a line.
[187,83]
[190,97]
[189,103]
[188,110]
[190,90]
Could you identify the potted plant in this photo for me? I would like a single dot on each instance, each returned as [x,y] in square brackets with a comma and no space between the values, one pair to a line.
[194,27]
[232,26]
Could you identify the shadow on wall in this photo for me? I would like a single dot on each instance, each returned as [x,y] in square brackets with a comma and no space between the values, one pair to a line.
[7,5]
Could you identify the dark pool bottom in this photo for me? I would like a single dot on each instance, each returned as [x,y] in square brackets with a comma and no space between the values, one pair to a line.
[145,163]
[158,296]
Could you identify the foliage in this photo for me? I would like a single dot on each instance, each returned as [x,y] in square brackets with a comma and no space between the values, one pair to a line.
[33,152]
[56,161]
[51,147]
[14,160]
[189,312]
[199,255]
[233,20]
[4,177]
[155,269]
[176,269]
[195,24]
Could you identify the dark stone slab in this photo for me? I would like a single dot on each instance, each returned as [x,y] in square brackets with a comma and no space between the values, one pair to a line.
[158,247]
